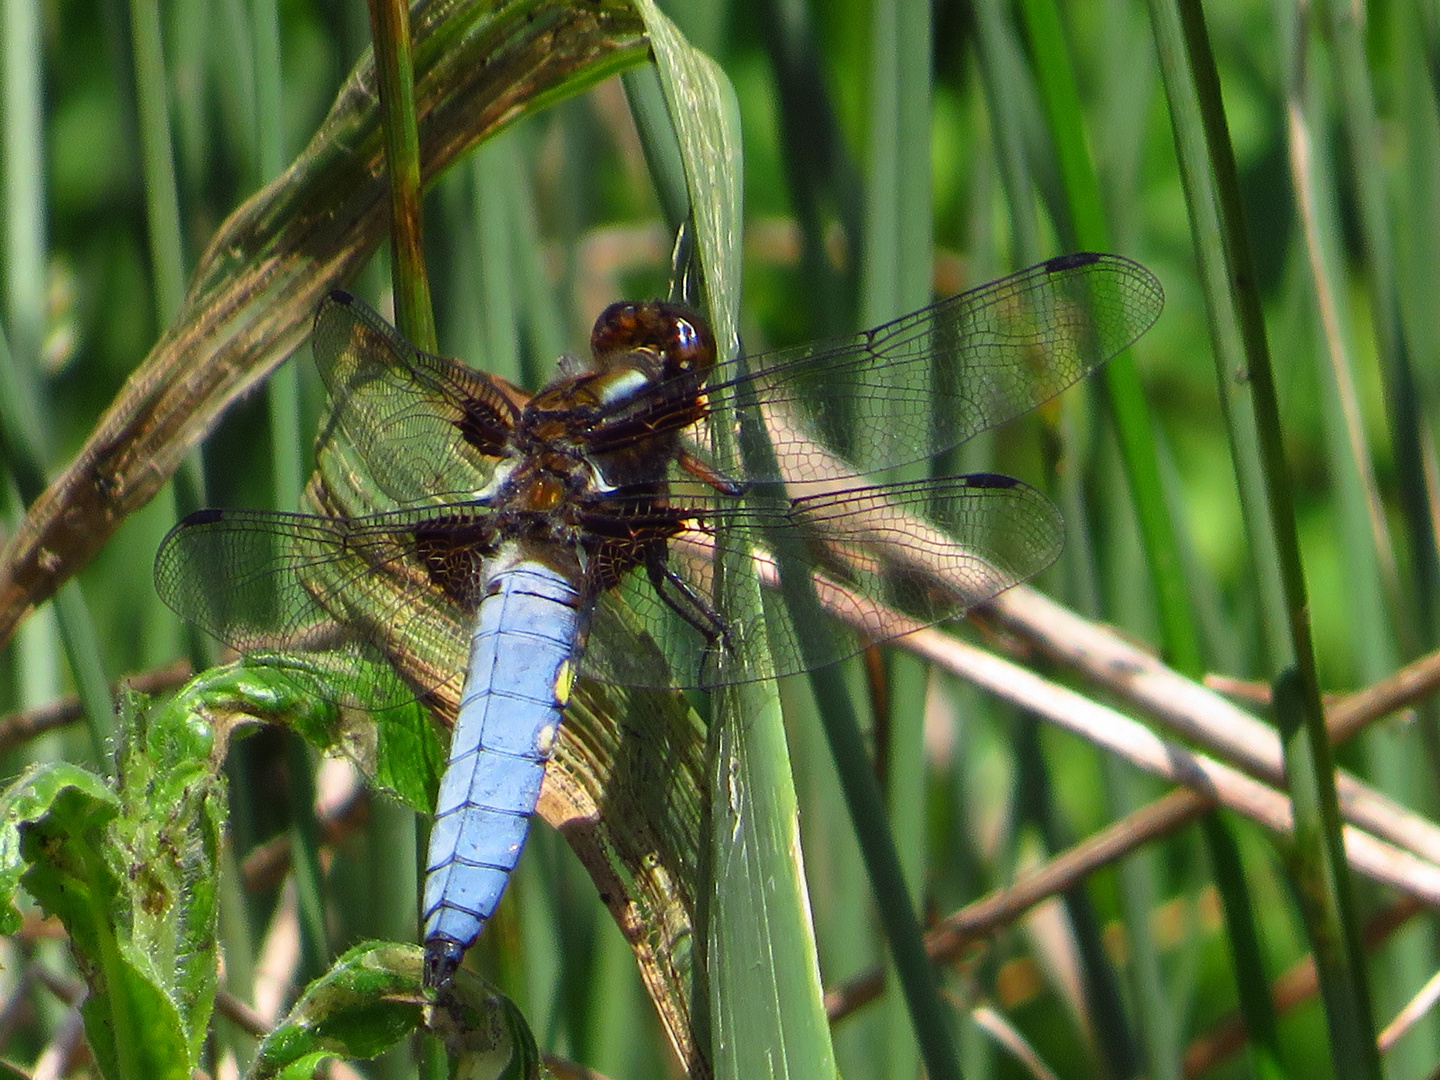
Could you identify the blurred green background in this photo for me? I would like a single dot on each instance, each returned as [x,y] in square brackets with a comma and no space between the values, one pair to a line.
[531,234]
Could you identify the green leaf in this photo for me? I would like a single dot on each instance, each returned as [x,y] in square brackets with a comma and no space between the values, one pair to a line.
[133,1029]
[398,750]
[372,998]
[132,874]
[169,834]
[63,817]
[485,1034]
[764,982]
[365,1004]
[29,800]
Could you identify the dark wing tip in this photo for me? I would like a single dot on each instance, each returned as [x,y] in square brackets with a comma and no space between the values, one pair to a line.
[208,516]
[991,480]
[1071,261]
[336,298]
[1144,296]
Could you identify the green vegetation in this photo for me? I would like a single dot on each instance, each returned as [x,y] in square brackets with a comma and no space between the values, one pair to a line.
[1249,493]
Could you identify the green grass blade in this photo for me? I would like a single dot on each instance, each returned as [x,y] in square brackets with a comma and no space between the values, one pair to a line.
[1324,890]
[1010,92]
[821,177]
[390,29]
[767,1015]
[282,393]
[283,389]
[496,175]
[269,96]
[1142,472]
[162,203]
[1059,94]
[394,831]
[1401,379]
[657,138]
[704,112]
[25,427]
[895,277]
[22,427]
[22,175]
[82,649]
[1382,615]
[1251,978]
[305,862]
[237,944]
[897,245]
[1007,92]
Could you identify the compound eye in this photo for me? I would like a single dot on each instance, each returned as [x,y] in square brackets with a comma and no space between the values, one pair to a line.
[687,340]
[690,345]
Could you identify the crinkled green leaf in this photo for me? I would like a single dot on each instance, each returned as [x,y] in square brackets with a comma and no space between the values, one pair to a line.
[69,873]
[365,1004]
[31,799]
[373,997]
[397,750]
[169,834]
[132,876]
[64,818]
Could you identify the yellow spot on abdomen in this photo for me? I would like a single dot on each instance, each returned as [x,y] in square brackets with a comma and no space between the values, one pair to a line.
[564,681]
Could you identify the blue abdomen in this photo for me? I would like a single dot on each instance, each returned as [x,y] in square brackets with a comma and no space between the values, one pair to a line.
[521,662]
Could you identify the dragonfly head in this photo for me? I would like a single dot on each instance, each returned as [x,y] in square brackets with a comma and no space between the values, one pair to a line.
[680,339]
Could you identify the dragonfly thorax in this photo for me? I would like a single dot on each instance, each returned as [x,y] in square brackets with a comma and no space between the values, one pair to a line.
[543,481]
[615,422]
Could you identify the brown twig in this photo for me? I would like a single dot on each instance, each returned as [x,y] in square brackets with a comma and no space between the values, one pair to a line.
[18,727]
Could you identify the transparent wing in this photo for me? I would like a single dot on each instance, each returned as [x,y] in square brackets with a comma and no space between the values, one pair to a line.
[428,428]
[377,610]
[926,382]
[342,601]
[360,594]
[886,560]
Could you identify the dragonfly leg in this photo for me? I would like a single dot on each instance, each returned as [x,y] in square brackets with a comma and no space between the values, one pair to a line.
[709,474]
[682,598]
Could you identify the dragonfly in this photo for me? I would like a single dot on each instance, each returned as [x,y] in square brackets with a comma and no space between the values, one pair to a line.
[525,519]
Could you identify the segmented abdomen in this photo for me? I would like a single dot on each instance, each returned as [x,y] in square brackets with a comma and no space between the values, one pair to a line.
[521,663]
